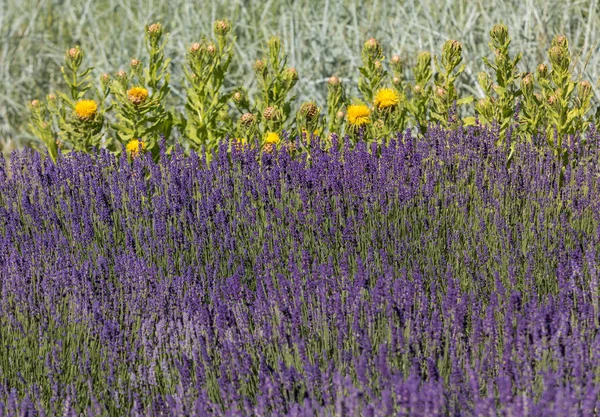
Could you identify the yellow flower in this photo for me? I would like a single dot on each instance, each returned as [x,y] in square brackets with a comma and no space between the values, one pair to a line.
[86,109]
[133,147]
[137,95]
[271,141]
[386,98]
[272,138]
[358,115]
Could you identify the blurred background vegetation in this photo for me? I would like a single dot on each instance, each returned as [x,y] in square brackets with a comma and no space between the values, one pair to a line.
[321,37]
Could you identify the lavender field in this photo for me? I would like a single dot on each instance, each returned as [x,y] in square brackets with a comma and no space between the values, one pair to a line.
[427,277]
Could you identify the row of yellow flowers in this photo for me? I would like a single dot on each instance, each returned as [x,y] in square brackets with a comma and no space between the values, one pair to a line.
[130,113]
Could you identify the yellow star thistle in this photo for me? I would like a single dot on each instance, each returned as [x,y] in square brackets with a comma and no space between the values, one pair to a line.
[86,109]
[134,147]
[358,115]
[386,98]
[137,95]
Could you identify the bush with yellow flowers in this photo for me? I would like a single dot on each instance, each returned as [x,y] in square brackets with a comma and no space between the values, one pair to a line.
[129,111]
[272,106]
[140,97]
[207,120]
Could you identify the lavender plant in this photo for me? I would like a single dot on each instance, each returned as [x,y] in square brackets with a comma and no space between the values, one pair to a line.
[428,278]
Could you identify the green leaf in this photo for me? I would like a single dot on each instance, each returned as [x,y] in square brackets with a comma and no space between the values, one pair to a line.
[464,100]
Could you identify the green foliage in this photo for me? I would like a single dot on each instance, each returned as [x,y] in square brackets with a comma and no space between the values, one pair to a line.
[389,100]
[206,105]
[272,105]
[140,97]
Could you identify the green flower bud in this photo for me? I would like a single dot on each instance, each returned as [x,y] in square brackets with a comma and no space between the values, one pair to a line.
[396,62]
[291,76]
[309,110]
[240,99]
[499,35]
[451,54]
[271,113]
[527,84]
[247,119]
[135,64]
[441,92]
[154,33]
[584,90]
[74,56]
[260,68]
[542,72]
[195,48]
[372,49]
[222,27]
[560,41]
[211,49]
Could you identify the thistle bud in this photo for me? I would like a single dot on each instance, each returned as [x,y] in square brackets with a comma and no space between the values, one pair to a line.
[51,97]
[135,63]
[154,33]
[396,63]
[121,76]
[334,81]
[560,41]
[34,103]
[440,92]
[559,58]
[378,65]
[451,53]
[104,78]
[584,90]
[396,80]
[379,124]
[499,35]
[238,97]
[538,96]
[527,84]
[74,53]
[260,68]
[291,76]
[418,90]
[372,49]
[211,49]
[553,99]
[247,119]
[222,27]
[542,71]
[340,114]
[74,57]
[195,48]
[271,113]
[309,110]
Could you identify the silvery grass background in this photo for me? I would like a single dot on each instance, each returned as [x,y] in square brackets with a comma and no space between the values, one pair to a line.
[322,37]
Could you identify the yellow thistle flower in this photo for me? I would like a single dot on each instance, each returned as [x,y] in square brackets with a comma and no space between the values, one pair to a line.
[137,95]
[86,109]
[358,115]
[272,138]
[134,146]
[386,98]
